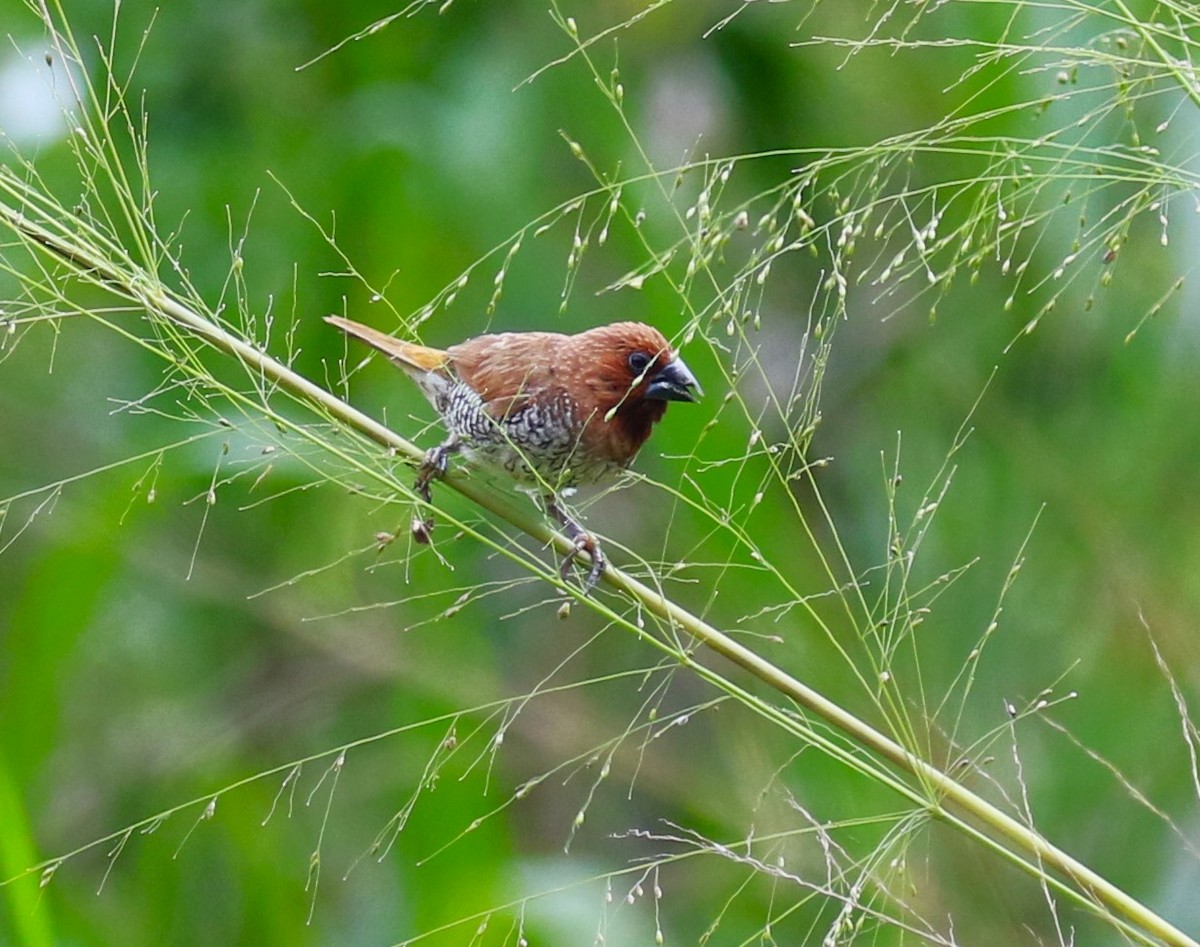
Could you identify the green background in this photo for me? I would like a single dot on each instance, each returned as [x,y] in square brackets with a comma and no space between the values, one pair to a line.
[139,669]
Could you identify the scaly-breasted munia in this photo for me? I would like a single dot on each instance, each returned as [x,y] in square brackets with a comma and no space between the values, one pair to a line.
[549,410]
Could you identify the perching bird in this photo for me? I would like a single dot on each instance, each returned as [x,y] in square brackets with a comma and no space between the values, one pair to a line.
[549,410]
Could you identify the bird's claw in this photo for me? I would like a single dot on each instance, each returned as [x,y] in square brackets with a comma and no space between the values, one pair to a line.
[585,542]
[434,466]
[581,541]
[422,526]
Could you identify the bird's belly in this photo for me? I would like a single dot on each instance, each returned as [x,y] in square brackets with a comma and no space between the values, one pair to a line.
[553,464]
[538,443]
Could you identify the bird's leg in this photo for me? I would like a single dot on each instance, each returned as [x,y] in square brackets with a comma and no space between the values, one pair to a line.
[435,464]
[582,541]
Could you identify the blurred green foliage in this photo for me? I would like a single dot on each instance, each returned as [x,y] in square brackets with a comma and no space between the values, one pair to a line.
[140,668]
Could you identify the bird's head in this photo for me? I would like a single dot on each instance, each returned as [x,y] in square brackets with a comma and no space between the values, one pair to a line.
[633,369]
[631,372]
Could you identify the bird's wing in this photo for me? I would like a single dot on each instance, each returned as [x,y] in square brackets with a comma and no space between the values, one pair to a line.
[509,369]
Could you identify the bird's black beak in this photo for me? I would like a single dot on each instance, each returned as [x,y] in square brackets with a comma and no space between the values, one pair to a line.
[673,382]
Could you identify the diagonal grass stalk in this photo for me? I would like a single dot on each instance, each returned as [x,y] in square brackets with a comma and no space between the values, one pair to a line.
[118,250]
[932,791]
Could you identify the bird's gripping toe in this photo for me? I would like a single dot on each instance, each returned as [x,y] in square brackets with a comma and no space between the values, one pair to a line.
[435,465]
[581,541]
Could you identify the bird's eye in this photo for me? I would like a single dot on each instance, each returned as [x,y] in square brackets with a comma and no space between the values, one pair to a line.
[638,362]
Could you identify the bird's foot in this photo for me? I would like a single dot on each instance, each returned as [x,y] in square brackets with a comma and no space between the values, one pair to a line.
[434,466]
[585,542]
[581,541]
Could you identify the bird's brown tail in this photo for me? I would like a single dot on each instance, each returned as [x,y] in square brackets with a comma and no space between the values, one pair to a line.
[404,354]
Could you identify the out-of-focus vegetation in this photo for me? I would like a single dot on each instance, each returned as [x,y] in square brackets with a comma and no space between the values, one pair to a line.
[998,307]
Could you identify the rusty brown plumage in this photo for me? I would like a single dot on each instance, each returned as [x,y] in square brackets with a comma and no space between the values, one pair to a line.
[550,410]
